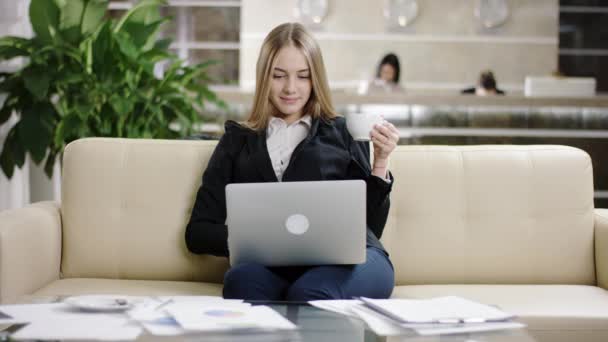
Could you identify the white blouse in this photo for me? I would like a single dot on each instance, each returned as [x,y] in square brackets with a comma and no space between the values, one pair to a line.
[282,140]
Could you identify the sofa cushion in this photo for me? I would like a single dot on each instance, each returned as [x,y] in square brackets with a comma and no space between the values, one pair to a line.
[82,286]
[491,215]
[543,307]
[125,206]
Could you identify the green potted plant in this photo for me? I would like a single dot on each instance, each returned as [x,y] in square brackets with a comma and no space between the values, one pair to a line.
[87,75]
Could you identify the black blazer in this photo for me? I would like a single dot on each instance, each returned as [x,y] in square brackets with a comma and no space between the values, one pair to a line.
[473,89]
[241,156]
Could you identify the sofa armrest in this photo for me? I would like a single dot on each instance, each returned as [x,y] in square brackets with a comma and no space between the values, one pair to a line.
[601,247]
[30,249]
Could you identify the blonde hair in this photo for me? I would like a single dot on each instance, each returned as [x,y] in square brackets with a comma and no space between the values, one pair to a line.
[319,104]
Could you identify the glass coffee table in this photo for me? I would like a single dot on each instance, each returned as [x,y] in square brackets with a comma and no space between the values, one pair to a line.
[317,325]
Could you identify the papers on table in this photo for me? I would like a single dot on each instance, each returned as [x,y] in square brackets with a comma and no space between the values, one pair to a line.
[153,315]
[183,315]
[78,330]
[343,307]
[444,315]
[213,315]
[218,317]
[437,310]
[59,321]
[159,316]
[378,323]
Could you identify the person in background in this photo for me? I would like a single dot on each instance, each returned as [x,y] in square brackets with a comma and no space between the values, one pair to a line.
[485,86]
[387,75]
[293,133]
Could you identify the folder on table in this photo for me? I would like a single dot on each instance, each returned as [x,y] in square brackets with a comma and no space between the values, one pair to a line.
[442,310]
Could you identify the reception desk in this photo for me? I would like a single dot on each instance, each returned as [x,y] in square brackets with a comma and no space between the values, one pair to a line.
[471,120]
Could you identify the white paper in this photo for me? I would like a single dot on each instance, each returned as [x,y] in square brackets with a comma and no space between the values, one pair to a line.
[342,306]
[468,328]
[154,309]
[379,324]
[436,310]
[11,319]
[44,312]
[62,321]
[153,316]
[204,299]
[59,321]
[385,326]
[229,317]
[68,329]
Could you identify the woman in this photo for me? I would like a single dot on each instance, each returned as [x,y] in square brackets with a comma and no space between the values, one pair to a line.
[388,73]
[294,134]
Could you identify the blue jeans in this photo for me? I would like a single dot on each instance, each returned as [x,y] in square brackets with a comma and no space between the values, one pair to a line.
[374,279]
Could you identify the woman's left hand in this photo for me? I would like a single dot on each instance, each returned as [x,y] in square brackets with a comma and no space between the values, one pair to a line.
[385,138]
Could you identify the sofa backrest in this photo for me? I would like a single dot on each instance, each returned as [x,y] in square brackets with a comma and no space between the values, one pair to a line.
[491,215]
[125,205]
[472,214]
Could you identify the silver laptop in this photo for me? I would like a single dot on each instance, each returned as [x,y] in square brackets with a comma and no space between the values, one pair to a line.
[297,223]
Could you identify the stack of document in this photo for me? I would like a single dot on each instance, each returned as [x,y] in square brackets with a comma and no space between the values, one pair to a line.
[443,315]
[90,318]
[182,315]
[60,321]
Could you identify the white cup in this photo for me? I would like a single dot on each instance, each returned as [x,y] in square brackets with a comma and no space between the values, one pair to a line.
[360,125]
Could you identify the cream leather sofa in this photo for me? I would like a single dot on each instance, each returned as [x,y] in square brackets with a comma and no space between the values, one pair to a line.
[513,226]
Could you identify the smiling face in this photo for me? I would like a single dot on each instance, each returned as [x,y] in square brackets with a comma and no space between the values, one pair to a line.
[387,73]
[291,85]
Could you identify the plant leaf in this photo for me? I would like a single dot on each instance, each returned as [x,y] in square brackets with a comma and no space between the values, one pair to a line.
[33,130]
[196,71]
[143,35]
[145,12]
[69,128]
[79,18]
[103,53]
[163,44]
[155,55]
[37,80]
[7,162]
[15,41]
[49,164]
[126,46]
[93,16]
[208,94]
[121,104]
[44,17]
[71,52]
[11,47]
[8,52]
[13,153]
[70,17]
[18,152]
[65,77]
[5,113]
[10,83]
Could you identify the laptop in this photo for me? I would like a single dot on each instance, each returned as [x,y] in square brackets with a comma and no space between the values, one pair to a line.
[297,223]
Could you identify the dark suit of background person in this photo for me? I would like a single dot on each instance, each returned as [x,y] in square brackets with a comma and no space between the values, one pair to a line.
[327,153]
[473,90]
[486,85]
